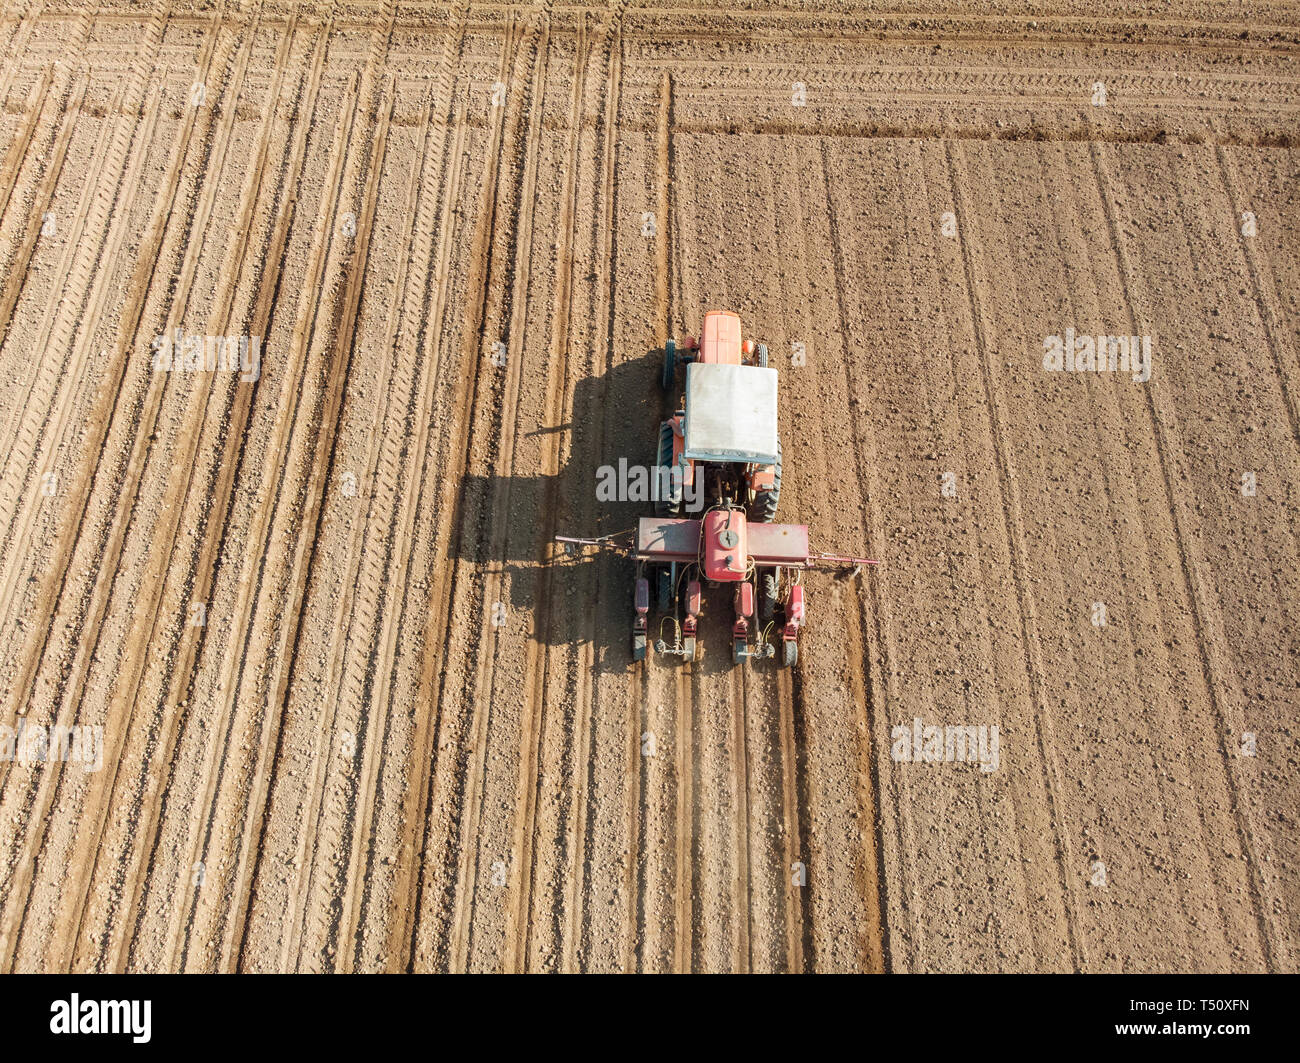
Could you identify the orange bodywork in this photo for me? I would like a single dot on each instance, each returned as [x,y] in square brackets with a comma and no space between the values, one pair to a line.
[762,477]
[726,554]
[720,341]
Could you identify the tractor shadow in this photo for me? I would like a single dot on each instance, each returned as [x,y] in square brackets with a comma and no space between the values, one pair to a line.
[507,524]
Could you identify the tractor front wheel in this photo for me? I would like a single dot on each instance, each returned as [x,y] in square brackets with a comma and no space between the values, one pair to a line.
[670,365]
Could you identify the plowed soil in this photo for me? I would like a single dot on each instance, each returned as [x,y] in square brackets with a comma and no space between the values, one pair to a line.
[357,710]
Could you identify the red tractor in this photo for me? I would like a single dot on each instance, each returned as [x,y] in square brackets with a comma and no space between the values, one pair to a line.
[722,441]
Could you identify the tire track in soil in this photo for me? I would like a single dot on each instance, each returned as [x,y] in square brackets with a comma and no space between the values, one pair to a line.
[449,173]
[522,917]
[309,930]
[235,660]
[684,865]
[17,267]
[325,322]
[1134,586]
[970,580]
[341,816]
[977,648]
[215,148]
[303,910]
[1197,735]
[606,616]
[868,638]
[25,410]
[248,617]
[123,701]
[30,447]
[1268,903]
[94,306]
[20,150]
[516,924]
[790,27]
[101,420]
[47,393]
[344,278]
[73,240]
[970,646]
[1265,293]
[17,46]
[471,911]
[762,910]
[1015,536]
[742,958]
[142,793]
[691,681]
[18,506]
[633,779]
[20,146]
[438,785]
[794,834]
[823,326]
[406,880]
[36,366]
[566,448]
[357,618]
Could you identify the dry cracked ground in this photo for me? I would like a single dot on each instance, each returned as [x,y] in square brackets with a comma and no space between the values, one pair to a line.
[293,676]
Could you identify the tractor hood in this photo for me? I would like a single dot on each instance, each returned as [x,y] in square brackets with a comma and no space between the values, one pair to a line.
[730,413]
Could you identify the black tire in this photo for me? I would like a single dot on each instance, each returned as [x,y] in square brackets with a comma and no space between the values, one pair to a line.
[761,360]
[669,374]
[765,502]
[671,505]
[738,647]
[791,654]
[767,597]
[689,646]
[664,588]
[638,647]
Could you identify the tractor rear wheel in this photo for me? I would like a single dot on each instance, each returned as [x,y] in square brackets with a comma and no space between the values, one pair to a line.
[669,504]
[670,365]
[765,502]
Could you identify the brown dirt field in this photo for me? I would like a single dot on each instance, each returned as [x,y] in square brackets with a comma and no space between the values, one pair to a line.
[359,714]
